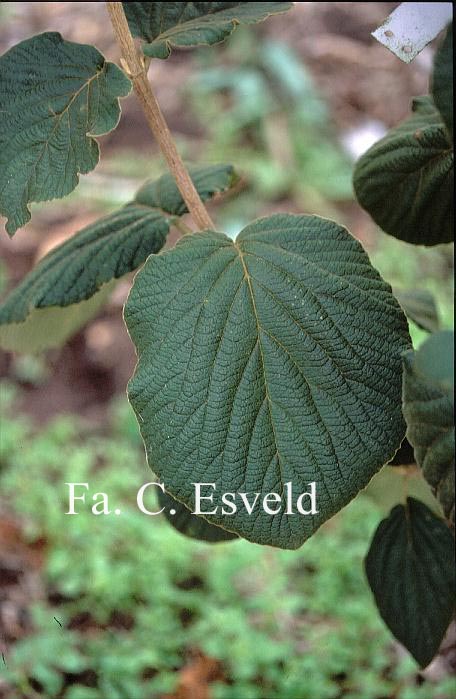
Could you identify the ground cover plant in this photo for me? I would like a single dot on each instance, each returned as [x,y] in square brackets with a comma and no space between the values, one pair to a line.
[282,357]
[134,615]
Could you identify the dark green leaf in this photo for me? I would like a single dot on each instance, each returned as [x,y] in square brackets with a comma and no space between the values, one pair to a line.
[429,413]
[55,97]
[420,307]
[189,524]
[270,360]
[209,180]
[405,181]
[434,360]
[105,250]
[165,25]
[75,270]
[410,568]
[442,81]
[45,328]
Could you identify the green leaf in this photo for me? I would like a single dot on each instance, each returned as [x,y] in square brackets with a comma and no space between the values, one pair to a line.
[405,181]
[420,307]
[189,524]
[428,396]
[209,180]
[46,328]
[434,360]
[442,80]
[107,249]
[268,360]
[55,97]
[166,25]
[75,270]
[410,568]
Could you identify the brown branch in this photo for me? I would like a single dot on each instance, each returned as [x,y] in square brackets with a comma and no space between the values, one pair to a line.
[137,72]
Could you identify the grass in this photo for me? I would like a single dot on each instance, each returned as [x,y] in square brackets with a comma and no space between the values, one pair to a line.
[136,599]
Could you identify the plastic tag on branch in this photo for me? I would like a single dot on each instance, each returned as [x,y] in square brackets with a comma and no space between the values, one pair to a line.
[412,25]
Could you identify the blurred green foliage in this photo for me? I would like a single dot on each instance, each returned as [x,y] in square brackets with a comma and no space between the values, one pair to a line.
[408,266]
[135,598]
[275,126]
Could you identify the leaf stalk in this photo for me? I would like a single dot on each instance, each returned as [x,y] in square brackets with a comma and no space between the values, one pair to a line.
[136,69]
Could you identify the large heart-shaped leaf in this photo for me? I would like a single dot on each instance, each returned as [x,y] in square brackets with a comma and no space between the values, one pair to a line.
[189,524]
[164,25]
[428,395]
[442,80]
[410,568]
[55,96]
[107,249]
[405,181]
[274,359]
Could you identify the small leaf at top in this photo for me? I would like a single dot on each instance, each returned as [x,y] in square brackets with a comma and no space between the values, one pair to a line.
[420,307]
[182,519]
[410,569]
[106,249]
[405,181]
[268,361]
[55,97]
[165,25]
[209,180]
[442,80]
[428,397]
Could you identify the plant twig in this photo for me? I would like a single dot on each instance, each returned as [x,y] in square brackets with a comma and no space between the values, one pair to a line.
[137,72]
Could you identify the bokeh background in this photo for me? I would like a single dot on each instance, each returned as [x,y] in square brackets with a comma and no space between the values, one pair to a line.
[125,607]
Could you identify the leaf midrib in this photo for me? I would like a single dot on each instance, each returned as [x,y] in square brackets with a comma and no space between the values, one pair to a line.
[188,24]
[58,118]
[260,347]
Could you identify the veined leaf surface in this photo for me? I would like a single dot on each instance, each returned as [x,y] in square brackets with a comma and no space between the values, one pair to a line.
[55,97]
[405,181]
[428,395]
[106,249]
[209,181]
[269,360]
[46,328]
[164,25]
[189,524]
[410,568]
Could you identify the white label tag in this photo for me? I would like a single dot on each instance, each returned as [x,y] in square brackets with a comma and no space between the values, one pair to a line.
[412,25]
